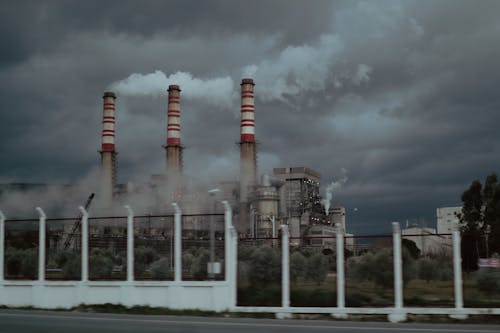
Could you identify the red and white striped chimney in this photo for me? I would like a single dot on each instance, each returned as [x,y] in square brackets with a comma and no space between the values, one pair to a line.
[174,116]
[248,155]
[108,122]
[108,153]
[247,111]
[173,147]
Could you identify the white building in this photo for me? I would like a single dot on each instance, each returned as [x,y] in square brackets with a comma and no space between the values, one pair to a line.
[447,219]
[427,241]
[337,215]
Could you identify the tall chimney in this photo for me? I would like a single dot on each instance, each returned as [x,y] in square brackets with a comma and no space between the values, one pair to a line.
[248,153]
[173,147]
[108,153]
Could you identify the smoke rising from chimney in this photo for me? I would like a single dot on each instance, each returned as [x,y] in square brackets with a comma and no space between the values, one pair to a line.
[296,69]
[333,186]
[217,91]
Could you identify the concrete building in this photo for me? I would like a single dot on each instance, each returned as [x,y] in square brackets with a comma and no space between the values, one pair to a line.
[447,218]
[300,198]
[427,241]
[337,215]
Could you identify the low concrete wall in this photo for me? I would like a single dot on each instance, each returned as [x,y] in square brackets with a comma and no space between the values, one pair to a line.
[209,295]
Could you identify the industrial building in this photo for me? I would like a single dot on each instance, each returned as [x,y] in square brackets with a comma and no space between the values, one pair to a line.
[291,195]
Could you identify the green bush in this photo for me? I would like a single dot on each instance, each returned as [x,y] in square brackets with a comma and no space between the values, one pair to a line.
[21,263]
[427,269]
[265,266]
[377,266]
[317,268]
[160,269]
[100,263]
[72,268]
[143,257]
[306,297]
[298,267]
[199,266]
[260,296]
[488,280]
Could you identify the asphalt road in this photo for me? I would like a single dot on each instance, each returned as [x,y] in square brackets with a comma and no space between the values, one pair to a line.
[13,321]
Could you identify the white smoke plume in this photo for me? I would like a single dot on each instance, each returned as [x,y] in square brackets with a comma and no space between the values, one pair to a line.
[333,186]
[217,91]
[295,69]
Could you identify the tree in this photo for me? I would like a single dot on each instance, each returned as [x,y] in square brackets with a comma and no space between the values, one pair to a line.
[471,222]
[264,266]
[317,268]
[143,257]
[480,221]
[100,264]
[494,222]
[160,269]
[297,266]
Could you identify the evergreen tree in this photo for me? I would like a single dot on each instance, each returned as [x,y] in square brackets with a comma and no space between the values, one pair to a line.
[471,222]
[480,221]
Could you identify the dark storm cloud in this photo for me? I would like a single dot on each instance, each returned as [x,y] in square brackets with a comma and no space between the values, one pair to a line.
[401,94]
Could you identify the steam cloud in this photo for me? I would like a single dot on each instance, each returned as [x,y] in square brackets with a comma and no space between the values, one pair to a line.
[217,91]
[295,69]
[333,186]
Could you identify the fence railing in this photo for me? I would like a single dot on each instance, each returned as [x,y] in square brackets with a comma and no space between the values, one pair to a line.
[167,240]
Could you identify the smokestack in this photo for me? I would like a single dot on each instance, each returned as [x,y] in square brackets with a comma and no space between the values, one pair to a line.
[108,153]
[248,152]
[173,147]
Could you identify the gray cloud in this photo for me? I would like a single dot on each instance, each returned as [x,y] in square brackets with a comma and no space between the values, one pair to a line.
[401,94]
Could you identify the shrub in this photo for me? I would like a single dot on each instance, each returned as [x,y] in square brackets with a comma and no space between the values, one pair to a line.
[199,265]
[100,263]
[72,268]
[317,268]
[160,269]
[143,257]
[264,266]
[297,266]
[427,269]
[377,266]
[488,280]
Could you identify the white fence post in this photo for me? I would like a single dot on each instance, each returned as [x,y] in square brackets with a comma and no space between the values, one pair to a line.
[340,267]
[41,245]
[177,243]
[285,267]
[227,239]
[130,243]
[398,314]
[231,250]
[457,272]
[2,245]
[85,244]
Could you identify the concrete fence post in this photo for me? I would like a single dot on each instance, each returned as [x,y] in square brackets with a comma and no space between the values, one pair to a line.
[2,246]
[227,240]
[177,243]
[234,267]
[285,267]
[130,243]
[457,272]
[41,244]
[398,314]
[231,256]
[340,267]
[85,244]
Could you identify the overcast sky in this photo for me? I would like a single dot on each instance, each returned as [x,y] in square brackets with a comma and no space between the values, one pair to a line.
[404,95]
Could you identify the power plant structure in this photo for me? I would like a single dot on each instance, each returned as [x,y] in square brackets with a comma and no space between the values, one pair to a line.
[289,196]
[248,152]
[108,152]
[173,147]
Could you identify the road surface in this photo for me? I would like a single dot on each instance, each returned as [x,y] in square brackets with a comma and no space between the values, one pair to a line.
[14,321]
